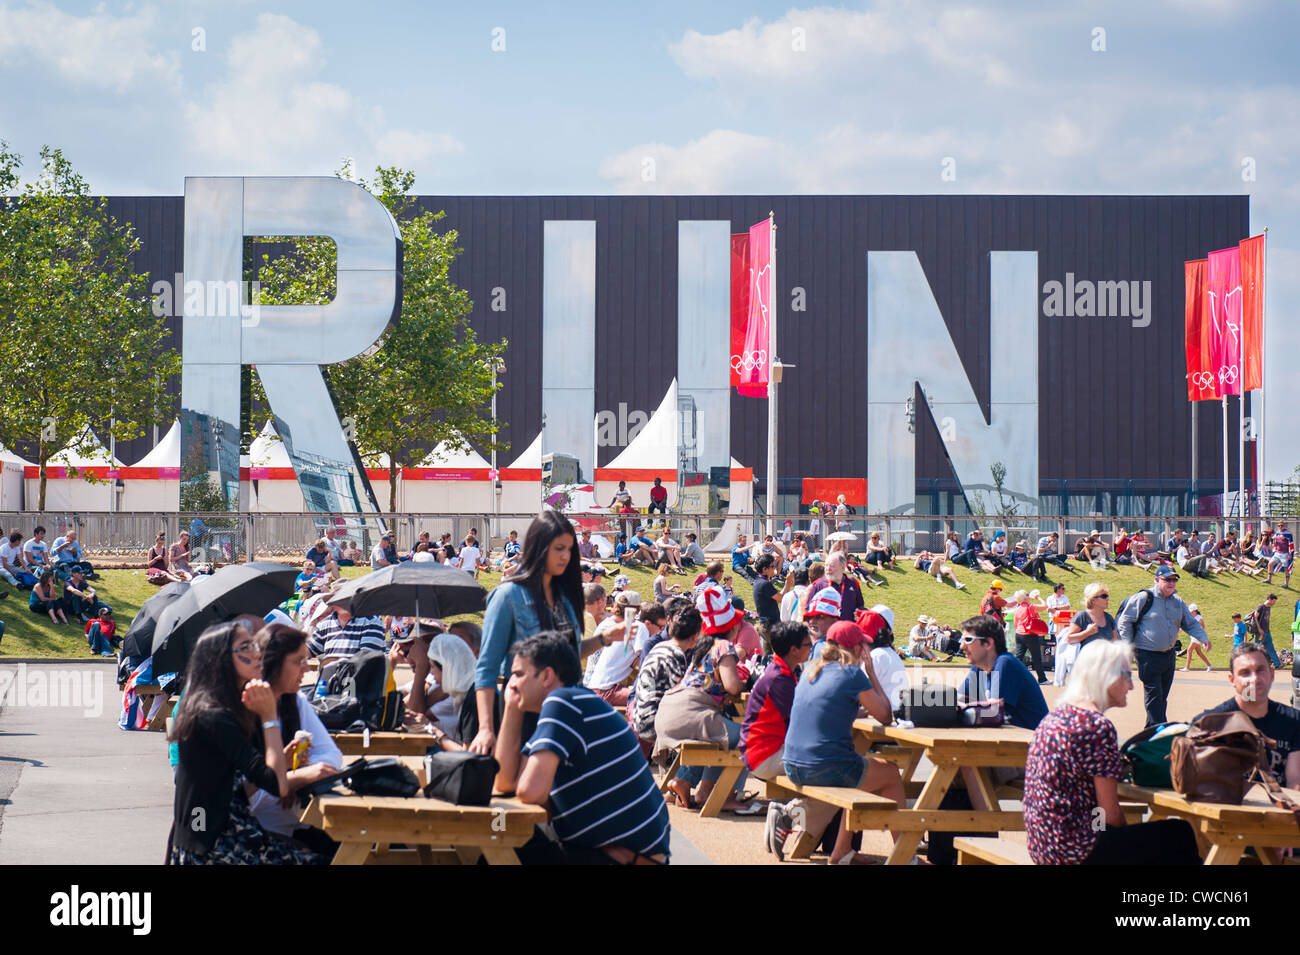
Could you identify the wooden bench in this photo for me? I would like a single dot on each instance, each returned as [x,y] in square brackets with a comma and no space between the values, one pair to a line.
[864,810]
[707,754]
[146,692]
[991,851]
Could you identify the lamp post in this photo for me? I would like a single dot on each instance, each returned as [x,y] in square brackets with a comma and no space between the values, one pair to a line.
[497,367]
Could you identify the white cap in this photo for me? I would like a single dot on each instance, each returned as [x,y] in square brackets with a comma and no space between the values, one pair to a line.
[884,612]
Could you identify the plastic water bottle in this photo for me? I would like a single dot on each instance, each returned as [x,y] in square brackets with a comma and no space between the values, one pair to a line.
[321,689]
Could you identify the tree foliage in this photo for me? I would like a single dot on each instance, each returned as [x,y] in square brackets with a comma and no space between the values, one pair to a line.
[429,379]
[79,343]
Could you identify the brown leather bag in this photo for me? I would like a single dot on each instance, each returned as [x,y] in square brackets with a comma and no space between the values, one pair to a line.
[1217,759]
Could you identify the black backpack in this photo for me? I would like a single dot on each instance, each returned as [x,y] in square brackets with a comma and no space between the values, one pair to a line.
[849,508]
[1143,610]
[355,691]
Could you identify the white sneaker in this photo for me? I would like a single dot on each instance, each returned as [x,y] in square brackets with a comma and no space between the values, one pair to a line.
[961,586]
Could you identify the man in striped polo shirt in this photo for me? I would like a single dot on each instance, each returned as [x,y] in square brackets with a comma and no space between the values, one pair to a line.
[341,635]
[583,759]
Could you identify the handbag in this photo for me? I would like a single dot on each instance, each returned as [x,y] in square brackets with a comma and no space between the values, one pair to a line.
[931,706]
[463,778]
[1218,758]
[386,776]
[1145,755]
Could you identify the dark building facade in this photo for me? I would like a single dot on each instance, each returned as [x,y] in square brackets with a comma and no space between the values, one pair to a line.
[1114,421]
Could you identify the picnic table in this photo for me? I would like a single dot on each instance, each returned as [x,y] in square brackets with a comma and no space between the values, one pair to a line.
[1224,830]
[438,832]
[146,693]
[950,750]
[415,743]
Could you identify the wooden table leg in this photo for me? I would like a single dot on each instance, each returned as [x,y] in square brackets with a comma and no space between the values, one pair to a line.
[1225,853]
[721,792]
[670,773]
[984,788]
[913,761]
[351,853]
[1265,855]
[468,855]
[804,845]
[936,787]
[498,856]
[425,853]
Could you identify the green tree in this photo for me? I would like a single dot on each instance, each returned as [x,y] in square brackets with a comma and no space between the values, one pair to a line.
[79,342]
[429,379]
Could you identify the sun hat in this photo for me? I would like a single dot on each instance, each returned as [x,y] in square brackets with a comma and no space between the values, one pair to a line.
[923,619]
[849,635]
[718,613]
[827,602]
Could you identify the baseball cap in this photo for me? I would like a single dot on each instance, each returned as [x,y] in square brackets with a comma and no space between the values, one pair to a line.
[997,585]
[718,613]
[1164,570]
[872,624]
[848,635]
[827,602]
[621,580]
[700,578]
[1193,608]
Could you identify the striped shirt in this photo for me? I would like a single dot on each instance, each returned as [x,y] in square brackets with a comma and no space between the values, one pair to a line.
[603,793]
[332,639]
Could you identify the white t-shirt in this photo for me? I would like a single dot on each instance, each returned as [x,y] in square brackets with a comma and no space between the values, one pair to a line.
[335,549]
[791,600]
[892,674]
[265,807]
[951,549]
[469,558]
[614,665]
[377,555]
[36,552]
[999,547]
[10,553]
[1182,556]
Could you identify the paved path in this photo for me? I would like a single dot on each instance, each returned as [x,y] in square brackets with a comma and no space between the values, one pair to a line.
[74,788]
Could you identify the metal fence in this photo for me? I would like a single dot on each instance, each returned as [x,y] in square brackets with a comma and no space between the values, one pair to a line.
[225,537]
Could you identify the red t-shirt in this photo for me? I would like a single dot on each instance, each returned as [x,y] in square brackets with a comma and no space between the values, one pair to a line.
[659,493]
[1121,546]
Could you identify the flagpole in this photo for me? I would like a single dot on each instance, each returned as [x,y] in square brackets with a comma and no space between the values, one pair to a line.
[1241,427]
[771,376]
[1263,359]
[1225,462]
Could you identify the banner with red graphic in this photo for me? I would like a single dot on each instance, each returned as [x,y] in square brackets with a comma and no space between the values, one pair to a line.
[751,364]
[1223,301]
[1252,309]
[1200,376]
[739,301]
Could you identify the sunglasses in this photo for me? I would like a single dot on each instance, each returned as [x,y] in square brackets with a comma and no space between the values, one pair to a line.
[965,639]
[246,650]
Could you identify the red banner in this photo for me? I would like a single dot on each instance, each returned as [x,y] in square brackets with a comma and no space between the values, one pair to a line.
[751,364]
[739,301]
[829,489]
[1252,309]
[1223,300]
[1200,377]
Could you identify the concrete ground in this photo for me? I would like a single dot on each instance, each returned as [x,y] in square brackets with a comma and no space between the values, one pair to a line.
[74,788]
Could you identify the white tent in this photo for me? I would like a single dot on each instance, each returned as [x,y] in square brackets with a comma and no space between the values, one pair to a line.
[154,482]
[448,481]
[64,493]
[742,502]
[521,482]
[273,480]
[651,454]
[11,480]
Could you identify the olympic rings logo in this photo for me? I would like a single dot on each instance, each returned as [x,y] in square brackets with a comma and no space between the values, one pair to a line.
[749,361]
[1228,374]
[1203,380]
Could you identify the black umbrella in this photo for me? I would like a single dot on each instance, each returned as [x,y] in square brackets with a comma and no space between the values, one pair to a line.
[138,642]
[419,589]
[239,588]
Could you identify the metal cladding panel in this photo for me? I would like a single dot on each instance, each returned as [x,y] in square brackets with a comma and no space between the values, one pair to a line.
[1111,396]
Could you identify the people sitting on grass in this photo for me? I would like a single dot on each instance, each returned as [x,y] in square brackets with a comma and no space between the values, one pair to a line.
[819,744]
[284,662]
[178,558]
[156,571]
[36,552]
[101,633]
[581,762]
[319,552]
[14,568]
[933,565]
[1197,645]
[44,601]
[669,550]
[997,551]
[693,553]
[977,554]
[220,740]
[918,643]
[740,558]
[1090,549]
[66,553]
[1048,549]
[79,598]
[799,556]
[663,589]
[1072,774]
[692,710]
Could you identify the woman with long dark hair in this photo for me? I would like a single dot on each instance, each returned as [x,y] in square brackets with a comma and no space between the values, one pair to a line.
[545,593]
[216,727]
[284,661]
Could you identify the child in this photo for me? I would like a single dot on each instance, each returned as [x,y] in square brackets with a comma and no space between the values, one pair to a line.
[1238,630]
[1195,645]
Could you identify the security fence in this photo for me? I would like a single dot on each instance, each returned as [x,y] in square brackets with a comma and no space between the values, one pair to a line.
[226,538]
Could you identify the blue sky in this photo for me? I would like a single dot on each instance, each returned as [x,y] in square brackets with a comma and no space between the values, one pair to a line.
[722,97]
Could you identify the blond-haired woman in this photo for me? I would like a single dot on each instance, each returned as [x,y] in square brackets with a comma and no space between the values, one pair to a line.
[1073,770]
[1093,622]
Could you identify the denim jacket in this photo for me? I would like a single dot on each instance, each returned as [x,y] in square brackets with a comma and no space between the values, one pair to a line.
[512,616]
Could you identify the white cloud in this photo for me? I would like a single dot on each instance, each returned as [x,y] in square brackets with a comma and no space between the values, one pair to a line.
[98,50]
[273,112]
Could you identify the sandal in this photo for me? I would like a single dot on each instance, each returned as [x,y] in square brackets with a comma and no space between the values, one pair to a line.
[673,798]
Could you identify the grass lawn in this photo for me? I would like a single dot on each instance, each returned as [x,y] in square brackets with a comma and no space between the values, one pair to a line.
[908,592]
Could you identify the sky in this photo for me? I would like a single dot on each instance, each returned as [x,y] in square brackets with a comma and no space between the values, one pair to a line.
[1155,97]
